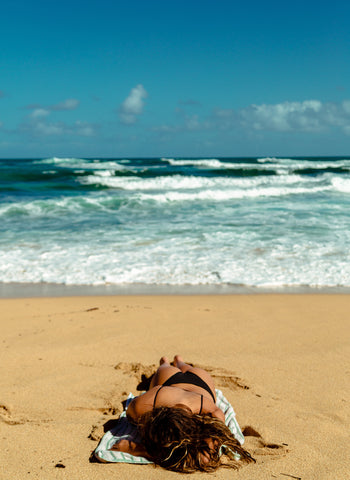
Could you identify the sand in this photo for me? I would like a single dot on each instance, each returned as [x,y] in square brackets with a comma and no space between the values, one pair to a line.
[281,360]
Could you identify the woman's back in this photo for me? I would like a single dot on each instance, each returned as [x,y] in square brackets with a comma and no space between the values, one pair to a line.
[181,385]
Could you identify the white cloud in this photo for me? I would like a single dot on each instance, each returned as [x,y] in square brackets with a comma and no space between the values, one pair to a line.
[307,116]
[224,112]
[190,123]
[39,113]
[311,116]
[38,124]
[346,106]
[69,104]
[133,105]
[283,117]
[83,129]
[47,129]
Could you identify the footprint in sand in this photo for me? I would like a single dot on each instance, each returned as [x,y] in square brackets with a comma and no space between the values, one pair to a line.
[225,378]
[108,410]
[7,417]
[137,369]
[97,432]
[257,445]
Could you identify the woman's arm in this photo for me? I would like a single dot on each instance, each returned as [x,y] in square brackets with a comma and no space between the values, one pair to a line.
[128,446]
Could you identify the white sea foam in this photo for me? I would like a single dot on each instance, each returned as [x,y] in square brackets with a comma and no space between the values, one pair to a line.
[341,184]
[225,195]
[82,164]
[259,230]
[296,164]
[217,164]
[180,182]
[203,162]
[55,207]
[179,188]
[241,263]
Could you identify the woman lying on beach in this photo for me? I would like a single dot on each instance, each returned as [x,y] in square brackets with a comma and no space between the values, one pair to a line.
[180,426]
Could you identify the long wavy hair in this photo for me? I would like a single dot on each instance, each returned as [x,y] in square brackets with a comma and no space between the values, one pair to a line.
[177,439]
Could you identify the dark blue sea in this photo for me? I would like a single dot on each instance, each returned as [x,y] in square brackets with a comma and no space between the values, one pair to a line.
[250,222]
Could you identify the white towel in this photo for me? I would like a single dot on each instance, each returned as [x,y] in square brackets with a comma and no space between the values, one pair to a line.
[125,430]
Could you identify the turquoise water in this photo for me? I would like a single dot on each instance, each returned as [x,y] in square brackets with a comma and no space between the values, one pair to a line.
[261,222]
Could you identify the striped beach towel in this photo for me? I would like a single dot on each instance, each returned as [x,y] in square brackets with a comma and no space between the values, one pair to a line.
[125,430]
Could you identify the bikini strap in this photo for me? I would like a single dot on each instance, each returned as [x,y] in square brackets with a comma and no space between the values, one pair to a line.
[200,410]
[155,396]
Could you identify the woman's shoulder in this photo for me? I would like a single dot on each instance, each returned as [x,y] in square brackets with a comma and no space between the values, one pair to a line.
[141,404]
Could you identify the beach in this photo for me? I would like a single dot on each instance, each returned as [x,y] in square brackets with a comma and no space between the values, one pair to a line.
[282,360]
[175,180]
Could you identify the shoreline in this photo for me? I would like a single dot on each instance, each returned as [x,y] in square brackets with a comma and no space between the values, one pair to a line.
[43,290]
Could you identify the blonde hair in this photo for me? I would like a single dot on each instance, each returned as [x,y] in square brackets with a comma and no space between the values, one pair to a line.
[177,439]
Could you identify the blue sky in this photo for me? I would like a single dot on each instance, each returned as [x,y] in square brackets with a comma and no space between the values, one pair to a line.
[174,78]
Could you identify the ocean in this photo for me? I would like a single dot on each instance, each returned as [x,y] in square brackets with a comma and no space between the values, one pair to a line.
[234,223]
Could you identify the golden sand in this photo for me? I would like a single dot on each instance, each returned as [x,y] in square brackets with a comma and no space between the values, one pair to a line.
[283,361]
